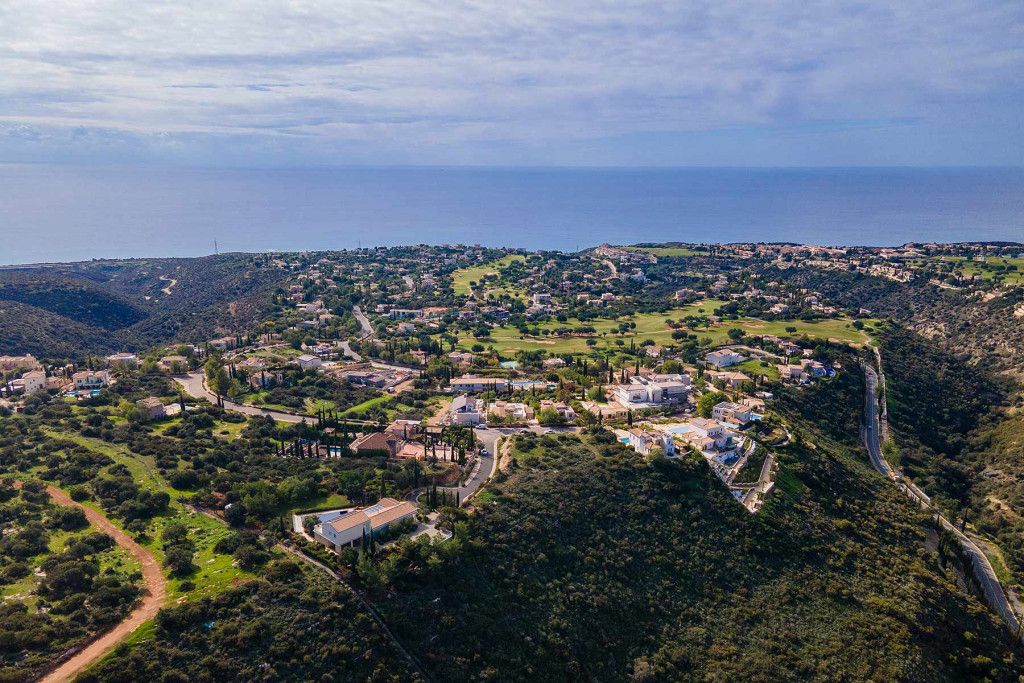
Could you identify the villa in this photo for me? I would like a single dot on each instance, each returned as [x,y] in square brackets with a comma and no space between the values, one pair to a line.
[724,358]
[127,359]
[342,528]
[474,385]
[90,379]
[508,411]
[727,411]
[467,411]
[732,379]
[653,390]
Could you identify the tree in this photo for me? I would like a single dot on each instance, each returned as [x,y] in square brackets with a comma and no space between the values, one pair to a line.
[708,401]
[735,333]
[217,379]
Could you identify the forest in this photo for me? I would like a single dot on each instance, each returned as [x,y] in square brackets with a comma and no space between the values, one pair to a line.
[290,624]
[587,563]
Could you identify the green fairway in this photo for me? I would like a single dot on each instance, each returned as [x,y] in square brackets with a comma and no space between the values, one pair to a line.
[652,326]
[462,277]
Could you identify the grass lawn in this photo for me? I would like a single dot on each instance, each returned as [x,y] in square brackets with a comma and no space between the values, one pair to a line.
[508,340]
[462,277]
[753,367]
[360,409]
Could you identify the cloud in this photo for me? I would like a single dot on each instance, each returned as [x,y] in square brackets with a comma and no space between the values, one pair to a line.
[435,81]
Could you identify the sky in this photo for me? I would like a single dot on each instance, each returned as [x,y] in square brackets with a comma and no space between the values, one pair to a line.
[520,83]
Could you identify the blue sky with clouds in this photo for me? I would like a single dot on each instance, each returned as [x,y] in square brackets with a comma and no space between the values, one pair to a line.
[576,83]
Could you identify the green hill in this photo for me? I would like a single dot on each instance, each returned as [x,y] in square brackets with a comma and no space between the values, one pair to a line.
[590,564]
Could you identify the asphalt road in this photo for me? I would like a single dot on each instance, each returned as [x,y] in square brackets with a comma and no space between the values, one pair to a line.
[193,385]
[986,576]
[364,322]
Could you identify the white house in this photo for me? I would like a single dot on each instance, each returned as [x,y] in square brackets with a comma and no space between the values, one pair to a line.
[727,411]
[466,410]
[655,389]
[90,379]
[707,436]
[643,442]
[33,381]
[308,361]
[347,527]
[724,358]
[510,411]
[124,358]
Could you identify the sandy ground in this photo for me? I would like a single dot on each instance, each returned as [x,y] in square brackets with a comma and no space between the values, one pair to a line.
[156,583]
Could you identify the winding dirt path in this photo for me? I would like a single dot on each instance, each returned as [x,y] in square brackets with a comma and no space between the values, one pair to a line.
[156,583]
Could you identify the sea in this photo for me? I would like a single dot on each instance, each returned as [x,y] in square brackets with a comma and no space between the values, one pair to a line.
[70,213]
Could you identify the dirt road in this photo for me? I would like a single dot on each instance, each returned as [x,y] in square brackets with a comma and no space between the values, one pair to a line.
[156,583]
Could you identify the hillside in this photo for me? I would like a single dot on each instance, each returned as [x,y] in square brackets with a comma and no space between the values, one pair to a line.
[69,310]
[291,625]
[955,431]
[590,564]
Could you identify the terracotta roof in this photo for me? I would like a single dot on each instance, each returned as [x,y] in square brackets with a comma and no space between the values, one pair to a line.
[349,521]
[374,441]
[390,514]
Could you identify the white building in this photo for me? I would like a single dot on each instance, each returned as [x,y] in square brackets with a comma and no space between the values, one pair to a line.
[653,390]
[308,361]
[467,411]
[727,411]
[124,358]
[724,358]
[90,379]
[643,442]
[347,527]
[33,381]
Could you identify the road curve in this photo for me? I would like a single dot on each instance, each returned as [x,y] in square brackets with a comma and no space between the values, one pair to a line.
[193,384]
[983,570]
[155,580]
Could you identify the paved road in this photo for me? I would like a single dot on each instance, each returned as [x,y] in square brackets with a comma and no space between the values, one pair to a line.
[155,580]
[194,386]
[349,353]
[986,576]
[364,322]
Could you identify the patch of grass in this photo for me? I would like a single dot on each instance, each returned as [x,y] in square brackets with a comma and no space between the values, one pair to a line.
[508,340]
[462,277]
[361,408]
[756,366]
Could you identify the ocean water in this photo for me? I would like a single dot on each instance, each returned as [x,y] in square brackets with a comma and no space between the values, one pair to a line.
[63,213]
